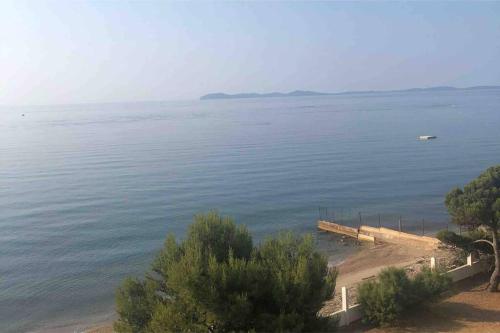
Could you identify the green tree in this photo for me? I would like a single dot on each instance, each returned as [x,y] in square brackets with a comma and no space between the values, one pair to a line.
[216,280]
[478,205]
[134,306]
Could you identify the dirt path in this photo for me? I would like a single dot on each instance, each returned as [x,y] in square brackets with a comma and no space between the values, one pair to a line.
[371,260]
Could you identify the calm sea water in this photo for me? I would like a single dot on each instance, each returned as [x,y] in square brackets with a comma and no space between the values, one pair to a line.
[88,192]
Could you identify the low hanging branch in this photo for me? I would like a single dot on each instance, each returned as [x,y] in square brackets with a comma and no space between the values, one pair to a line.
[485,241]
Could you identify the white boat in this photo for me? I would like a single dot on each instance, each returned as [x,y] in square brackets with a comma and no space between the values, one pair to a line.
[427,137]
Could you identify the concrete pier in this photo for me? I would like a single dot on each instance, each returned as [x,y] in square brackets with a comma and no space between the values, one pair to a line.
[371,234]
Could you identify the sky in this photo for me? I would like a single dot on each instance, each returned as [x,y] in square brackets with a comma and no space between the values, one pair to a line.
[57,52]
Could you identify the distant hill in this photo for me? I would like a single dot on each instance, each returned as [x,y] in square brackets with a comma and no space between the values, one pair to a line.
[256,95]
[315,93]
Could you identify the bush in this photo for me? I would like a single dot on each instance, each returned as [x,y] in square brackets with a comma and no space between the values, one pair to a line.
[428,285]
[466,241]
[216,280]
[383,301]
[453,239]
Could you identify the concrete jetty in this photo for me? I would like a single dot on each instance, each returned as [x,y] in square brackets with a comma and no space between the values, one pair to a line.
[372,234]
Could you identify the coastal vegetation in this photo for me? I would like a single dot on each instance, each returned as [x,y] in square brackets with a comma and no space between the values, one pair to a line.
[477,207]
[466,242]
[217,280]
[384,300]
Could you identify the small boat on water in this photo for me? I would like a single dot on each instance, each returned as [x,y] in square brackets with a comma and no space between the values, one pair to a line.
[427,137]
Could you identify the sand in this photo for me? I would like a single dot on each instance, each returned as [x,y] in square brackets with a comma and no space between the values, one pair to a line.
[108,328]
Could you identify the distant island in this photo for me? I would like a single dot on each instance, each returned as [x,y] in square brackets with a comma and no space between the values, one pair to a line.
[256,95]
[298,93]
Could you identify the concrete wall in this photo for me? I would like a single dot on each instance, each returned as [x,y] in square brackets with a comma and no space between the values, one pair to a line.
[348,317]
[371,234]
[367,238]
[350,314]
[337,228]
[394,236]
[466,271]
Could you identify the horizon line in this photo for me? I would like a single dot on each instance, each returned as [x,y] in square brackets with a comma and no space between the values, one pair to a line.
[198,98]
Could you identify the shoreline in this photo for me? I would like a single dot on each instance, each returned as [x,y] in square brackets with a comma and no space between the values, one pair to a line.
[82,325]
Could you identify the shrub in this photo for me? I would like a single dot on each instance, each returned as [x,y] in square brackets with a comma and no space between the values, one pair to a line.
[383,301]
[428,285]
[216,280]
[453,239]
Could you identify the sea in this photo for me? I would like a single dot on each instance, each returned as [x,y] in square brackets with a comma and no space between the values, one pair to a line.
[89,192]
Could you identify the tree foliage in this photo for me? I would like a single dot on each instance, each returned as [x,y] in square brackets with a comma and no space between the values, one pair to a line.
[455,240]
[216,280]
[383,301]
[467,241]
[478,204]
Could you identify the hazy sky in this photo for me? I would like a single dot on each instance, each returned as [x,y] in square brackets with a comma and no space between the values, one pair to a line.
[65,52]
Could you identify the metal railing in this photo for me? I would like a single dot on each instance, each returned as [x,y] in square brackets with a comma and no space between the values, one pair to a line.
[355,218]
